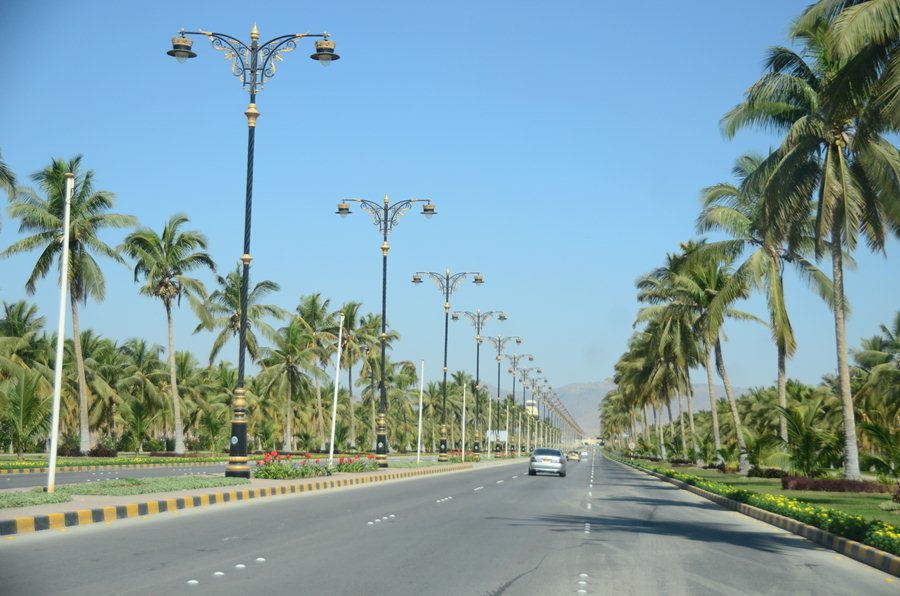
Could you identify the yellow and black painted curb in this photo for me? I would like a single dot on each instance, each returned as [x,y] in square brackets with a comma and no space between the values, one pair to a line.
[58,521]
[98,468]
[858,551]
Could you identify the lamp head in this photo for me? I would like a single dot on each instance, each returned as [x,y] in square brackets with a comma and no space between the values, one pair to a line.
[518,340]
[343,209]
[428,210]
[417,279]
[181,48]
[325,52]
[501,316]
[478,279]
[455,316]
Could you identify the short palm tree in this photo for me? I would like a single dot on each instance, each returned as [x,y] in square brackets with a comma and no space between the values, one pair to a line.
[162,261]
[26,410]
[221,311]
[42,217]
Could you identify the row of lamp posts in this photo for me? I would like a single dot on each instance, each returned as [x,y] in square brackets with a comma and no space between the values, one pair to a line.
[254,64]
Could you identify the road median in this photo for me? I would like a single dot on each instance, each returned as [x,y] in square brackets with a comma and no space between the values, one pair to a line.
[93,509]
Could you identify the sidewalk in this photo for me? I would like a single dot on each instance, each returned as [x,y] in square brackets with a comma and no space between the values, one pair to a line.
[88,509]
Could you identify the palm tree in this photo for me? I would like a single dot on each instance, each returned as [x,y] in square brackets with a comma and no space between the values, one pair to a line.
[221,312]
[27,409]
[21,339]
[321,330]
[284,370]
[740,211]
[7,179]
[162,261]
[827,106]
[42,217]
[351,353]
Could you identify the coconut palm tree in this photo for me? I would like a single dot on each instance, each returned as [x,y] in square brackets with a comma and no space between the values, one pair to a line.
[22,342]
[162,261]
[321,330]
[42,217]
[285,370]
[221,311]
[826,105]
[26,410]
[740,211]
[7,179]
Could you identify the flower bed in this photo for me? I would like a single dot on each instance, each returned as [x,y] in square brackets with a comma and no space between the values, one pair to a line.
[274,466]
[854,527]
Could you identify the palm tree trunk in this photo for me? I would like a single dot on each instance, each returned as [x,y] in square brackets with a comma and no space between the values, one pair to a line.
[690,406]
[851,449]
[717,441]
[352,406]
[173,383]
[320,416]
[742,446]
[659,432]
[671,419]
[646,428]
[83,422]
[287,431]
[681,423]
[782,393]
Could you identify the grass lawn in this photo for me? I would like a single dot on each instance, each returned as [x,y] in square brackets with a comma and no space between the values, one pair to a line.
[865,504]
[123,487]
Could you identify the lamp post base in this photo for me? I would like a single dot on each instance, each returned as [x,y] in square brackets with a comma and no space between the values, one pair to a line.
[238,460]
[381,442]
[442,456]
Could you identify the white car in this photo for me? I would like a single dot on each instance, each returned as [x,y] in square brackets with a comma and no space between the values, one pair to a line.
[545,459]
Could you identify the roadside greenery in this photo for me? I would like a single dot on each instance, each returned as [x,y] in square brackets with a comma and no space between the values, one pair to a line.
[117,461]
[121,487]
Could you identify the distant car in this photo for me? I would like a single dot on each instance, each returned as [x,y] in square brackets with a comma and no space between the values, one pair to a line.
[545,459]
[573,456]
[584,454]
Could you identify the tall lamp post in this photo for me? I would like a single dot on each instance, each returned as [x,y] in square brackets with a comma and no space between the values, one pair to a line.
[525,371]
[514,371]
[447,283]
[385,216]
[499,343]
[253,65]
[478,319]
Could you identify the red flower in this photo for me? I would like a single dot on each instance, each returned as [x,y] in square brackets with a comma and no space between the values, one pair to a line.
[341,460]
[289,457]
[307,455]
[258,463]
[317,460]
[371,456]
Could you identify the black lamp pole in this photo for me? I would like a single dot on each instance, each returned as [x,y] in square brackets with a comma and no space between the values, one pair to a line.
[447,284]
[385,217]
[478,319]
[499,343]
[253,76]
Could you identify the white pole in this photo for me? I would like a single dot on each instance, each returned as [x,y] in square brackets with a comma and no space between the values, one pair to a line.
[463,450]
[490,418]
[61,335]
[506,443]
[421,391]
[337,374]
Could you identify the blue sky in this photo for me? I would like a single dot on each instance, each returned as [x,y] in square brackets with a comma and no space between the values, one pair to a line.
[564,144]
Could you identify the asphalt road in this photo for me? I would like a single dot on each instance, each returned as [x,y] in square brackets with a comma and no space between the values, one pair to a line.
[604,529]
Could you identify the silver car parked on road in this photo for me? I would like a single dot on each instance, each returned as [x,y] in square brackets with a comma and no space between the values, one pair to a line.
[546,459]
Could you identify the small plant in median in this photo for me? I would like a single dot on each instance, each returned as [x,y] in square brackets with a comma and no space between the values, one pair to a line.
[274,466]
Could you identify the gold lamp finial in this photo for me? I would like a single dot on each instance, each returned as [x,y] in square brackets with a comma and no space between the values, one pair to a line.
[254,33]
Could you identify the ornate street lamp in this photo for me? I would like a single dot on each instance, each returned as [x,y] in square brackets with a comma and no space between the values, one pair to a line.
[253,65]
[514,370]
[385,216]
[447,283]
[499,343]
[478,319]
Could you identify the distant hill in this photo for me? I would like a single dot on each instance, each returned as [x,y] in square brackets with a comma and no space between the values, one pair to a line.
[583,399]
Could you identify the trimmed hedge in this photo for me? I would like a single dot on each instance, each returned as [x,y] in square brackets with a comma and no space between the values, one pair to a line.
[834,485]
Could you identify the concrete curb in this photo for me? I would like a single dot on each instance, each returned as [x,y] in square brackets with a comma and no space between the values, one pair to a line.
[879,559]
[81,517]
[97,468]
